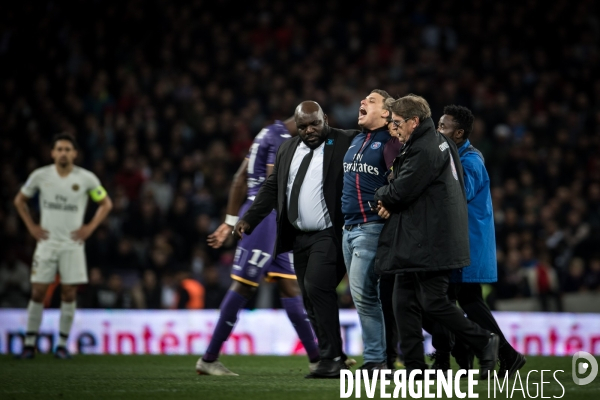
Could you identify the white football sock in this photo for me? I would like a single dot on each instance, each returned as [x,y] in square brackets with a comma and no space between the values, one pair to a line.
[67,312]
[34,320]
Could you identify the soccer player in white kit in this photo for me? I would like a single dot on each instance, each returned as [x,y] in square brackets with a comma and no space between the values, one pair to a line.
[64,190]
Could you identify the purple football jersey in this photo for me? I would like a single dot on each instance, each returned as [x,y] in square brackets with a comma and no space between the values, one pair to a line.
[254,254]
[262,153]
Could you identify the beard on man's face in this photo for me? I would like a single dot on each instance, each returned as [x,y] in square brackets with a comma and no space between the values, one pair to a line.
[313,140]
[63,161]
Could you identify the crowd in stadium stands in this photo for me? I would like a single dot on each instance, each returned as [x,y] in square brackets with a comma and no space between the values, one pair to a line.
[165,99]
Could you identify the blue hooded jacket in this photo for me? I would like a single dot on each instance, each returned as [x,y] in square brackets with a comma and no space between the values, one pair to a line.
[482,236]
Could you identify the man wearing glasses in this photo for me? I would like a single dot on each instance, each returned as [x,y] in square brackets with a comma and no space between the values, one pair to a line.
[366,168]
[426,236]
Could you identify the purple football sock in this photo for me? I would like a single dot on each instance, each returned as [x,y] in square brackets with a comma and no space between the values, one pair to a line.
[297,315]
[230,306]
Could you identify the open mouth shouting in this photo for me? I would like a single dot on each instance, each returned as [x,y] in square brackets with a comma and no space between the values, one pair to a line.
[362,113]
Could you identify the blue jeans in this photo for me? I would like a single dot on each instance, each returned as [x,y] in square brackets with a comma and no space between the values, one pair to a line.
[359,246]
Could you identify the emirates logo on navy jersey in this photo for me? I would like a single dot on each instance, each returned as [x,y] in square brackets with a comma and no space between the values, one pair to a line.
[358,166]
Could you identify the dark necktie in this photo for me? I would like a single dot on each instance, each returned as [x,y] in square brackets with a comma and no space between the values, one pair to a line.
[295,194]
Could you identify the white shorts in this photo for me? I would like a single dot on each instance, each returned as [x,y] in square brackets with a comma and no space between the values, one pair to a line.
[68,261]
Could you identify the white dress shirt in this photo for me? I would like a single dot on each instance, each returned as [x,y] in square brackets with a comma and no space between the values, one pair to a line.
[312,210]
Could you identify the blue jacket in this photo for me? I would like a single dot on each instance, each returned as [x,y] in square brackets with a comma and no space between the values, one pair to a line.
[482,237]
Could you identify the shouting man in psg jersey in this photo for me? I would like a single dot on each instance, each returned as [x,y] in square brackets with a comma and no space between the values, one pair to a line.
[366,168]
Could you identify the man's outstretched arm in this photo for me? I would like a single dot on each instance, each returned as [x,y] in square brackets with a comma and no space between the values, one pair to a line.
[237,195]
[264,202]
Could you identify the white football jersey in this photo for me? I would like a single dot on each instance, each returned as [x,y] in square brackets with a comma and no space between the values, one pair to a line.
[62,200]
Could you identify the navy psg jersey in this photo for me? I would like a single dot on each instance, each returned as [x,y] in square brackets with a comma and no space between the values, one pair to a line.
[366,168]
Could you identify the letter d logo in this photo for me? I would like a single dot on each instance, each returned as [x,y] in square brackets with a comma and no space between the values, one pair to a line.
[583,367]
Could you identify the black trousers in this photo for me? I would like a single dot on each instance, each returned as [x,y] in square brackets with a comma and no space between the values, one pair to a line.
[470,299]
[317,263]
[386,295]
[425,293]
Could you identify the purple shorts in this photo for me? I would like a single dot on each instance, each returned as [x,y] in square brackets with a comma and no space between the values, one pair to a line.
[254,254]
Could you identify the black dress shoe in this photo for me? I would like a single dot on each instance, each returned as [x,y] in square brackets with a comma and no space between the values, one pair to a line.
[488,357]
[441,361]
[510,364]
[312,375]
[465,360]
[372,366]
[327,369]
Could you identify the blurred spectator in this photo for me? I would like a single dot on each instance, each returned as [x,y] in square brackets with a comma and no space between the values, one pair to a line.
[575,279]
[161,257]
[180,217]
[168,297]
[147,294]
[592,279]
[125,257]
[159,189]
[213,291]
[110,294]
[130,178]
[100,248]
[145,222]
[14,281]
[89,297]
[190,292]
[199,260]
[543,283]
[511,277]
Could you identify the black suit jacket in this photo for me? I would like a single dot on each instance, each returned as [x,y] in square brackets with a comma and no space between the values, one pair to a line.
[273,193]
[429,226]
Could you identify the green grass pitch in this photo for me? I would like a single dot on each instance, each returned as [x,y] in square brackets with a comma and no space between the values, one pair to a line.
[174,377]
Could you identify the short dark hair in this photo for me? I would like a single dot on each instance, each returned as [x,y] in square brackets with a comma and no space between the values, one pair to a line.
[463,116]
[382,93]
[64,136]
[409,106]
